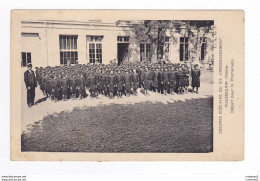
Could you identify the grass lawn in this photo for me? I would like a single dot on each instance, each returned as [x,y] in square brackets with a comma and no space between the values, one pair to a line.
[141,127]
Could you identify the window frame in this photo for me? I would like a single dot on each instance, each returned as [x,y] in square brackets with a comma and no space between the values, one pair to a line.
[26,58]
[68,49]
[147,55]
[185,46]
[123,39]
[203,42]
[97,54]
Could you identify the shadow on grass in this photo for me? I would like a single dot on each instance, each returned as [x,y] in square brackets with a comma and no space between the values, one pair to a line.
[142,127]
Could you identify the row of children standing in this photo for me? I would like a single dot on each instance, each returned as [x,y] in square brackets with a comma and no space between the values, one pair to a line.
[65,82]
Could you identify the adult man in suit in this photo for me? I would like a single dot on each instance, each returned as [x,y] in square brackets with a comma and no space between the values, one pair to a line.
[30,82]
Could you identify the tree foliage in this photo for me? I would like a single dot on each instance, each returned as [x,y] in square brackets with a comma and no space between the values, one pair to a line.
[154,31]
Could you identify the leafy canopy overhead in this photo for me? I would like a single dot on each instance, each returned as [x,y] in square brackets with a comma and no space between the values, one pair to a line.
[155,30]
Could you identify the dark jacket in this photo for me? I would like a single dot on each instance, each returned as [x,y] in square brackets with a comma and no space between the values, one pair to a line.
[30,79]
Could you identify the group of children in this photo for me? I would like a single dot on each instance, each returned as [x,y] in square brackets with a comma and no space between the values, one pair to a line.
[65,82]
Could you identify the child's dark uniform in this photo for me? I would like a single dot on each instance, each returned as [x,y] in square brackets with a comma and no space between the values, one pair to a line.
[195,74]
[128,79]
[64,87]
[111,82]
[116,81]
[97,77]
[146,76]
[91,82]
[160,82]
[106,86]
[72,83]
[102,79]
[179,76]
[155,80]
[121,82]
[57,89]
[135,80]
[52,84]
[172,79]
[165,80]
[151,74]
[81,85]
[186,77]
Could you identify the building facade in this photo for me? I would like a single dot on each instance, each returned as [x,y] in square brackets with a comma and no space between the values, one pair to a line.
[52,42]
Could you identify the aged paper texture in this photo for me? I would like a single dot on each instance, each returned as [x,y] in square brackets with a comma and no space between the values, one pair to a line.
[127,85]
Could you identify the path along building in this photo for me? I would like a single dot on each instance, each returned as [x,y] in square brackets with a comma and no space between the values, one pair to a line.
[53,42]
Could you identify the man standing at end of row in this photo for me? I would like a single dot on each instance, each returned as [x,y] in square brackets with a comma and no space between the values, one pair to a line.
[30,83]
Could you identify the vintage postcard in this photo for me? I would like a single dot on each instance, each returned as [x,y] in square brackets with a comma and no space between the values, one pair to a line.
[127,85]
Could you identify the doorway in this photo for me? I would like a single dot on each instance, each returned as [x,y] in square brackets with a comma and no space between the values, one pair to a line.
[122,52]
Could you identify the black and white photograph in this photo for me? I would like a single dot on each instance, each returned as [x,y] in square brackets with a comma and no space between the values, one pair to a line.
[133,90]
[125,86]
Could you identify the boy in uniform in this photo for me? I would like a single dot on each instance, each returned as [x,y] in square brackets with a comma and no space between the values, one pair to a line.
[81,87]
[106,84]
[91,82]
[111,84]
[48,86]
[77,84]
[186,74]
[97,76]
[128,83]
[179,76]
[64,87]
[102,79]
[57,88]
[42,83]
[151,72]
[121,82]
[165,81]
[155,80]
[117,79]
[195,74]
[72,84]
[52,87]
[160,80]
[146,79]
[172,79]
[135,81]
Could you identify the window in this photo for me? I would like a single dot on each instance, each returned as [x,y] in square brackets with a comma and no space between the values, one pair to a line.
[30,34]
[123,39]
[203,48]
[94,44]
[145,52]
[160,51]
[167,51]
[164,49]
[26,58]
[167,45]
[68,49]
[184,48]
[99,52]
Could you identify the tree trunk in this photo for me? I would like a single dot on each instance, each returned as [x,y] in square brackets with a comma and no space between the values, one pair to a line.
[158,44]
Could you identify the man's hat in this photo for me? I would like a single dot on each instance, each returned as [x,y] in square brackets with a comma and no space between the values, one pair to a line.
[29,65]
